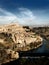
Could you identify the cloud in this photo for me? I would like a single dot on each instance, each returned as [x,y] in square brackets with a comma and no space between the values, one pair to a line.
[6,17]
[26,13]
[24,16]
[6,12]
[29,17]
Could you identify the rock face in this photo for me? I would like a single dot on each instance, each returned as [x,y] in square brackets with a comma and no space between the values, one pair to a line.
[14,38]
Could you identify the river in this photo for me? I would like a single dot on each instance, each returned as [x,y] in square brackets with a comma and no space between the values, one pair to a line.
[42,50]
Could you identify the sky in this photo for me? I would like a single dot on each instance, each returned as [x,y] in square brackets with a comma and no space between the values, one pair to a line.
[25,12]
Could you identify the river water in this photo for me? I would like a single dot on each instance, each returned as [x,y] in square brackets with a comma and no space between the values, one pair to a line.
[44,49]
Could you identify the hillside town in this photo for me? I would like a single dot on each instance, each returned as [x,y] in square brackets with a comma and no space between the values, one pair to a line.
[15,38]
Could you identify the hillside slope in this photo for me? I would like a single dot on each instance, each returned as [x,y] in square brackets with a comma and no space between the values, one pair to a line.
[14,38]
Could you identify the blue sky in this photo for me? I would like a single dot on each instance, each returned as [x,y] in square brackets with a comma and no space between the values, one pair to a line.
[26,12]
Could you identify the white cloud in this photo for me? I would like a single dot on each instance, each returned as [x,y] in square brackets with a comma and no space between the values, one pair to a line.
[6,12]
[7,17]
[26,13]
[24,16]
